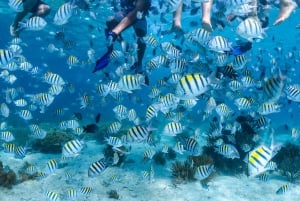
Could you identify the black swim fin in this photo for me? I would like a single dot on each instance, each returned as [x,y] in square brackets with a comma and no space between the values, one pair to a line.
[104,60]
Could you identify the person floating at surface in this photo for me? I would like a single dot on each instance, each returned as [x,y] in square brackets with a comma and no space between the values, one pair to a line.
[36,7]
[134,14]
[206,15]
[286,8]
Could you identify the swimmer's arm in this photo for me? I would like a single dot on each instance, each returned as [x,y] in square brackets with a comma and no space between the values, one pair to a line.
[130,17]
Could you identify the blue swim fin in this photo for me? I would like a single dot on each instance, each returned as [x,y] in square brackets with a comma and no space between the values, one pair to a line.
[241,48]
[104,60]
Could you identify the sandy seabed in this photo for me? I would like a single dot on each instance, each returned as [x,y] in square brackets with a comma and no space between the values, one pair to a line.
[131,185]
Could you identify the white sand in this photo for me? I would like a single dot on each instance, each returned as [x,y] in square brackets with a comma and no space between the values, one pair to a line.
[131,185]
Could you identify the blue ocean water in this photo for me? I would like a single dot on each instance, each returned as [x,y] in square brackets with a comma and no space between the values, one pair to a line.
[83,30]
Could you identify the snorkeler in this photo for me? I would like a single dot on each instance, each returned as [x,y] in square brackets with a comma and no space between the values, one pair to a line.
[133,13]
[36,7]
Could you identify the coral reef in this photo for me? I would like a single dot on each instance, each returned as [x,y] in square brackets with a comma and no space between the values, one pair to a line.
[113,194]
[52,143]
[288,161]
[7,177]
[201,160]
[183,172]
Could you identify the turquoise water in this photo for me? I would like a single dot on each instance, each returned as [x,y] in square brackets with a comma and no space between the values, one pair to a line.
[83,30]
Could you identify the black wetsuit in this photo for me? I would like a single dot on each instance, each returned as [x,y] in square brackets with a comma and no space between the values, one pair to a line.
[139,26]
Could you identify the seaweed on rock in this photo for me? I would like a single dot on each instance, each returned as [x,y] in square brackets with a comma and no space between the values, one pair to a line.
[113,194]
[7,176]
[288,161]
[52,143]
[183,172]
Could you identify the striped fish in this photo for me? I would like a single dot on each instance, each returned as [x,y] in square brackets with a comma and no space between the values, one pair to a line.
[72,61]
[51,166]
[72,148]
[114,127]
[16,5]
[63,14]
[31,169]
[262,122]
[25,114]
[219,44]
[168,102]
[53,78]
[200,35]
[132,115]
[257,160]
[191,145]
[293,92]
[114,141]
[128,83]
[250,29]
[268,108]
[85,190]
[9,147]
[55,90]
[52,196]
[6,57]
[228,151]
[7,136]
[283,189]
[273,88]
[71,194]
[173,128]
[242,103]
[97,168]
[41,175]
[264,177]
[203,171]
[235,85]
[102,90]
[192,85]
[137,134]
[151,41]
[34,23]
[148,154]
[239,62]
[20,102]
[178,66]
[20,152]
[179,148]
[121,112]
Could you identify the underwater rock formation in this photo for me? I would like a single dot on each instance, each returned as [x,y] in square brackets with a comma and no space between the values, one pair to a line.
[288,161]
[7,177]
[52,143]
[113,194]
